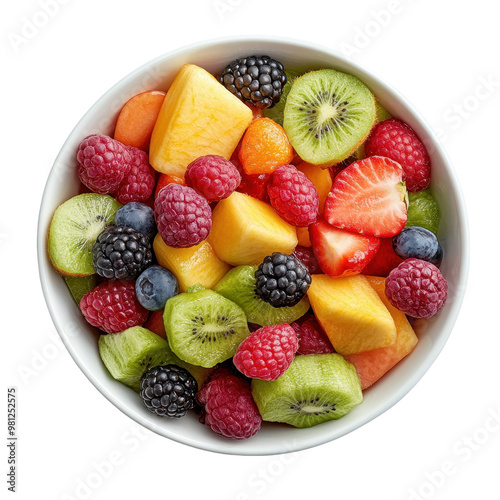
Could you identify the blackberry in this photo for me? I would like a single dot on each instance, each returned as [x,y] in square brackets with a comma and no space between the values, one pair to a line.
[121,252]
[282,280]
[168,390]
[256,80]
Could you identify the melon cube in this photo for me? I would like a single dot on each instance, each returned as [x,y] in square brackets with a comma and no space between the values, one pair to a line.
[245,230]
[196,265]
[371,365]
[199,117]
[303,236]
[351,313]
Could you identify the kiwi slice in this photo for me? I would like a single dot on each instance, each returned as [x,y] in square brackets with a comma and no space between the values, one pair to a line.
[238,285]
[276,112]
[204,328]
[128,354]
[198,372]
[315,388]
[74,228]
[328,114]
[423,211]
[381,115]
[80,285]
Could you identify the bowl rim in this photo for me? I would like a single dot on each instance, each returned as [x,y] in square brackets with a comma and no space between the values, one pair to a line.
[216,445]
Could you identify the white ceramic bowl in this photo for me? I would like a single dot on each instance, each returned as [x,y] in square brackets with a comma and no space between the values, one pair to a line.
[81,339]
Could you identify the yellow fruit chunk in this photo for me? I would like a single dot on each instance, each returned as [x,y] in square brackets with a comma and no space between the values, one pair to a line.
[371,365]
[351,313]
[245,230]
[198,117]
[321,178]
[303,236]
[191,266]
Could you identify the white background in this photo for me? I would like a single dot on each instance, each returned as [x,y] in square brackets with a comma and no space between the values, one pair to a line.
[437,54]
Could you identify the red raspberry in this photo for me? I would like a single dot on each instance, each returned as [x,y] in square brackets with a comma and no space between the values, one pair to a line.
[396,140]
[306,256]
[221,370]
[293,196]
[104,163]
[182,215]
[212,176]
[267,352]
[417,288]
[312,338]
[228,406]
[113,307]
[139,183]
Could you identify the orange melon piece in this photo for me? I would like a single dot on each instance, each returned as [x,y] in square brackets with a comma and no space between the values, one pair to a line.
[372,365]
[191,266]
[137,118]
[303,237]
[165,180]
[245,230]
[264,147]
[351,313]
[321,178]
[199,117]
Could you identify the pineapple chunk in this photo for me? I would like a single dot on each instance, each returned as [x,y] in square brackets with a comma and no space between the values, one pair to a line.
[245,230]
[191,266]
[198,117]
[351,313]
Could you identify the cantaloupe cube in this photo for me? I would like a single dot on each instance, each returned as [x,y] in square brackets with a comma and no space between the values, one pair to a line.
[199,117]
[191,266]
[303,236]
[245,230]
[371,365]
[351,313]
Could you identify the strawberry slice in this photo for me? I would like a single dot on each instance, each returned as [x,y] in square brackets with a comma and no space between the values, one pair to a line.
[368,197]
[339,252]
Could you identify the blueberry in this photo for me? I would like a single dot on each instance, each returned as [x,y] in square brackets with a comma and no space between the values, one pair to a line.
[138,216]
[438,257]
[419,243]
[154,287]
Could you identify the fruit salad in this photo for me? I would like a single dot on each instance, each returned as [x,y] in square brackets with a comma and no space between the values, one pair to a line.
[252,246]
